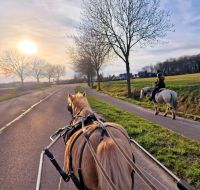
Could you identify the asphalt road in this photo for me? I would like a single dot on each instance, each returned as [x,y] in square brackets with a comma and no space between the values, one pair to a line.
[10,109]
[185,127]
[22,142]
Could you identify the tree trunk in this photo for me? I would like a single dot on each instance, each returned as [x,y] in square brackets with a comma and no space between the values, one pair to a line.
[49,80]
[91,81]
[88,79]
[98,81]
[38,80]
[128,78]
[22,80]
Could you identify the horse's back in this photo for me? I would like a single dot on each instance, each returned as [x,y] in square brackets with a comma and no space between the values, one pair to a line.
[169,97]
[170,93]
[107,153]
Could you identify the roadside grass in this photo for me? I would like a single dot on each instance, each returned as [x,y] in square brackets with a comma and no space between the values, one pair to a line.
[178,153]
[187,87]
[79,89]
[8,93]
[9,88]
[7,96]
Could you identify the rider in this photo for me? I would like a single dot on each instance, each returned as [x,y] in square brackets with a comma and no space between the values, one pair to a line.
[158,85]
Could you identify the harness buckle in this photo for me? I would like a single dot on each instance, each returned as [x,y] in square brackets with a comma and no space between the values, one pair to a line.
[59,131]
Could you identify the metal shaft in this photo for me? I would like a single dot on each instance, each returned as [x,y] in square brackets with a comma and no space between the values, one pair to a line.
[41,162]
[182,185]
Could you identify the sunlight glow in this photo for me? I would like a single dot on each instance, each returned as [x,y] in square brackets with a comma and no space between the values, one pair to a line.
[27,47]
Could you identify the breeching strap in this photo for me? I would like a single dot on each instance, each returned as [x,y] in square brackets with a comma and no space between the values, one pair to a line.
[112,185]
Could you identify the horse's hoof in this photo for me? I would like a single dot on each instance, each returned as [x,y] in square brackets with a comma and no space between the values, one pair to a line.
[156,113]
[165,115]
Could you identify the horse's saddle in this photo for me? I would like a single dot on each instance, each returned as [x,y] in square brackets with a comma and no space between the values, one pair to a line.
[160,90]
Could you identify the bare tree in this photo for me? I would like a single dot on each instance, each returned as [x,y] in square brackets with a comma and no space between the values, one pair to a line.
[59,70]
[126,23]
[14,63]
[92,48]
[49,71]
[37,67]
[84,66]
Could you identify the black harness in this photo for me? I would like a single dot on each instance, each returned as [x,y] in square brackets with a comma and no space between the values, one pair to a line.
[68,132]
[79,183]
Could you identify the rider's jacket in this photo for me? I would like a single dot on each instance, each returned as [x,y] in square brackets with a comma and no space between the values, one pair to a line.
[159,84]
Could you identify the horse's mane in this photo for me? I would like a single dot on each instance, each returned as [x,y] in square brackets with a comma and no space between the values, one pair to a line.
[81,101]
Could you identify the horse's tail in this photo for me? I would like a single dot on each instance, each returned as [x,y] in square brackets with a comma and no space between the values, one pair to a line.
[114,164]
[174,100]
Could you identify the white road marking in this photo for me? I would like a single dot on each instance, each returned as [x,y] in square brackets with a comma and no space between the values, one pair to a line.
[27,111]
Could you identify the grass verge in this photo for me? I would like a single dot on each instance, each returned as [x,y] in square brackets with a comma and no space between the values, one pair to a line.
[7,96]
[178,153]
[187,87]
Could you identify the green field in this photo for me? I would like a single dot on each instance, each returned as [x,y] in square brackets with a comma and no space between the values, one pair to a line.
[187,87]
[178,153]
[8,93]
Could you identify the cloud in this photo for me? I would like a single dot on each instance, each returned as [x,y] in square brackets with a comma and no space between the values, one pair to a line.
[47,23]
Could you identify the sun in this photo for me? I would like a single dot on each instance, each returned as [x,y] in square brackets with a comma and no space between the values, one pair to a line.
[27,47]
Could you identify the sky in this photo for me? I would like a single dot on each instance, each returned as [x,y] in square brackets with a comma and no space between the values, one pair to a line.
[50,24]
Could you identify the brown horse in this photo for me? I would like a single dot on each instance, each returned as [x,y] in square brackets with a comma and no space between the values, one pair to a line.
[116,167]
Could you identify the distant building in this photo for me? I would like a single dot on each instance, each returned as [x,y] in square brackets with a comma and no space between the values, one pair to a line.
[124,76]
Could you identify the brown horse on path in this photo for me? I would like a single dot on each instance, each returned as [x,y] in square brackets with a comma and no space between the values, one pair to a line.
[78,153]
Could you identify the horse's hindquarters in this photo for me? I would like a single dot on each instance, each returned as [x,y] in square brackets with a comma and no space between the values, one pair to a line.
[108,155]
[169,97]
[114,164]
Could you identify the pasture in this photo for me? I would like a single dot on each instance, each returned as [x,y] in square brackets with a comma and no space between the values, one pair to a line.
[178,153]
[187,87]
[7,93]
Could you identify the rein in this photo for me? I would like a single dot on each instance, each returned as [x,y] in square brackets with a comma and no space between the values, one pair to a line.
[130,162]
[74,116]
[111,184]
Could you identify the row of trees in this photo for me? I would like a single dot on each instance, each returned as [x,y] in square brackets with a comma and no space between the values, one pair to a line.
[90,55]
[116,26]
[13,63]
[181,65]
